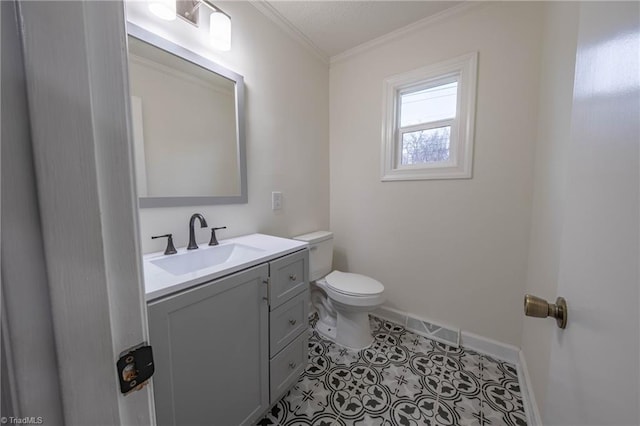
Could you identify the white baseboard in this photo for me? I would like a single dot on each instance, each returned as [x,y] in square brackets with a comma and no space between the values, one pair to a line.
[493,348]
[528,397]
[422,326]
[392,315]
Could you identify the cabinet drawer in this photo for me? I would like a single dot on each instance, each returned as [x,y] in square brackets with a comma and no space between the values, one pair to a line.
[289,277]
[287,321]
[288,365]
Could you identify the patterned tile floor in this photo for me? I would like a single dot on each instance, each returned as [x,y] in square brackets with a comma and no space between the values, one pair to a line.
[402,379]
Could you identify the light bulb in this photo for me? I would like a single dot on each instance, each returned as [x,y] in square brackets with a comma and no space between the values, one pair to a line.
[163,9]
[220,31]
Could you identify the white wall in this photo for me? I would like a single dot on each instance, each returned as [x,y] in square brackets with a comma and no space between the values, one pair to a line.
[450,250]
[286,125]
[554,120]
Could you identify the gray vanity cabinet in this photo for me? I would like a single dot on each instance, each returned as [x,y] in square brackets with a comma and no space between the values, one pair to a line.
[228,349]
[211,351]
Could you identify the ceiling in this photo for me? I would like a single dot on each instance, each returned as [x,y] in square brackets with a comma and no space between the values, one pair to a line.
[334,27]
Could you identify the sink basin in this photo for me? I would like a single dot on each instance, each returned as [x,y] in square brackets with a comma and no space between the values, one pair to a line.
[205,257]
[164,275]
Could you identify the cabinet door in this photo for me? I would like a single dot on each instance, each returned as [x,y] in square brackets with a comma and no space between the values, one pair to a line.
[211,354]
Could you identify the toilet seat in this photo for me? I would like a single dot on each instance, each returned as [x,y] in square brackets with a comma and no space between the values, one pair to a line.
[349,300]
[354,285]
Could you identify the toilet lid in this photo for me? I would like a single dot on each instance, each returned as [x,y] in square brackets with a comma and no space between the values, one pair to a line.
[353,284]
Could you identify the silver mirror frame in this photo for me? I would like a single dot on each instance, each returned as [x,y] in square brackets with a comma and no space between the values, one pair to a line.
[161,43]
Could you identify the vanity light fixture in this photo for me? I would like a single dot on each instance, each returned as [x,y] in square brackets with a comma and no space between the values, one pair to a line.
[163,9]
[220,30]
[219,22]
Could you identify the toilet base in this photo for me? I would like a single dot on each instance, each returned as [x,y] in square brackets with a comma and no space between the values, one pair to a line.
[352,330]
[325,330]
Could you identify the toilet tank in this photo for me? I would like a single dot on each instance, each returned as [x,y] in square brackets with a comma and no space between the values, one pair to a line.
[320,253]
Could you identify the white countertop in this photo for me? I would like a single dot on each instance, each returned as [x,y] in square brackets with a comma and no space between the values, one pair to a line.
[158,282]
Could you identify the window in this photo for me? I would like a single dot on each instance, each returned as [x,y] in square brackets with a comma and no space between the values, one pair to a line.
[428,122]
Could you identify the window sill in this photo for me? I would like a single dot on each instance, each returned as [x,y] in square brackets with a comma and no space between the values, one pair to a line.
[435,172]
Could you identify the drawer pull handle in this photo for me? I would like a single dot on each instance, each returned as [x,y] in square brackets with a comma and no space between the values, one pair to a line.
[292,321]
[293,277]
[292,365]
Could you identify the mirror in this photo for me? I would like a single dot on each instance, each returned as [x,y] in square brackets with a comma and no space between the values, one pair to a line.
[188,125]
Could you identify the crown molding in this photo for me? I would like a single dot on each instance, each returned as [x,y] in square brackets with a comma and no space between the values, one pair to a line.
[404,31]
[276,17]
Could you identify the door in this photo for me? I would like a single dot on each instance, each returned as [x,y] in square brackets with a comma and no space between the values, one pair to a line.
[23,270]
[594,367]
[78,112]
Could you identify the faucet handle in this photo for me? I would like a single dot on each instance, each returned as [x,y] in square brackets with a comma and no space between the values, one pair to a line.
[214,240]
[171,249]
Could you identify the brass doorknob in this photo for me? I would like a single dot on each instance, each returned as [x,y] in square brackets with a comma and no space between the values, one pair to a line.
[540,308]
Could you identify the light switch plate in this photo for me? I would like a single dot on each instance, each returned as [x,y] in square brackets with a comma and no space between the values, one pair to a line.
[276,200]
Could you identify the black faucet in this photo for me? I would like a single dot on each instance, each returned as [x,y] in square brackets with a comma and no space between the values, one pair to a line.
[192,237]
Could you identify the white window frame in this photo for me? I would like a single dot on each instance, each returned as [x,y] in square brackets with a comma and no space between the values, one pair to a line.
[462,69]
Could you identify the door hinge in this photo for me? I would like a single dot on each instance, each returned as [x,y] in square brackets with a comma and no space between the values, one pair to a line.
[135,367]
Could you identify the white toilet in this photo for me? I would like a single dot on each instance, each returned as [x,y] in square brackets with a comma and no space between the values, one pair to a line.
[343,300]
